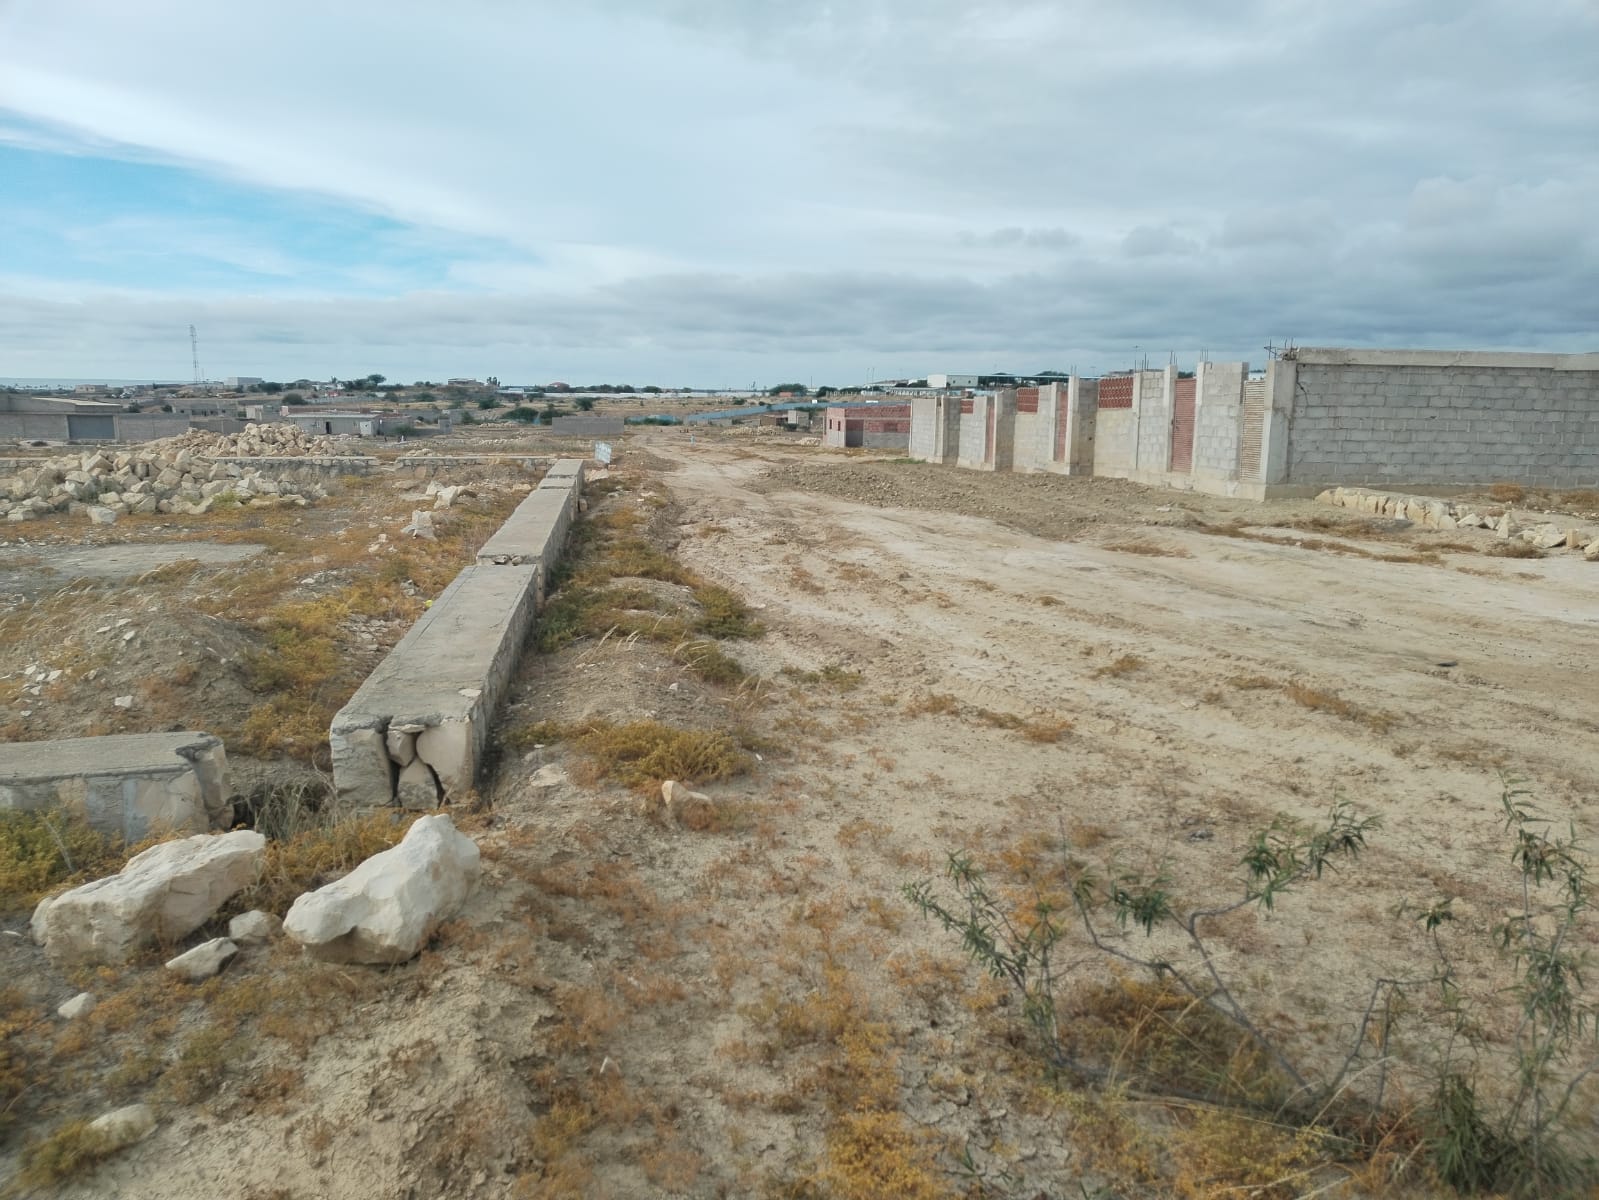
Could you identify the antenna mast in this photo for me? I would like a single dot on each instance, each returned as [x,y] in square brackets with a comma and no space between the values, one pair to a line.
[194,352]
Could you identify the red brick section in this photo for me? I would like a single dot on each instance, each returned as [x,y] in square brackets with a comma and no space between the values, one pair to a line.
[966,407]
[1027,400]
[1182,425]
[1116,391]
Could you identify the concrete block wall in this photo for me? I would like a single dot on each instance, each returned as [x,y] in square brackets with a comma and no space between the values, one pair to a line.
[935,429]
[972,439]
[1219,419]
[1152,404]
[1115,437]
[125,785]
[1400,418]
[416,732]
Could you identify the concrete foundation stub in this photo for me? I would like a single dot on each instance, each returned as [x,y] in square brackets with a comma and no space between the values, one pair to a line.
[128,785]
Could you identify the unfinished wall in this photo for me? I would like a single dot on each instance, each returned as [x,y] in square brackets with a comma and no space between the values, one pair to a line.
[1152,402]
[1115,426]
[935,429]
[1399,418]
[416,731]
[1218,434]
[972,440]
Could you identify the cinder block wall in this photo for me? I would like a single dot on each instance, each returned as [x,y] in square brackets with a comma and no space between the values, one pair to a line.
[973,440]
[1413,417]
[1219,419]
[1152,401]
[1116,427]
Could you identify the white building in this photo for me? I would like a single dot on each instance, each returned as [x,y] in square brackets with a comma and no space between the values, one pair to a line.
[237,383]
[944,382]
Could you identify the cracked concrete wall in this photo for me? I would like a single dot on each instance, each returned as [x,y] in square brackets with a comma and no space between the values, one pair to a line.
[416,732]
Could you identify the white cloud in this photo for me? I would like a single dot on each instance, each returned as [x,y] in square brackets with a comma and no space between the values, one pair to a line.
[694,179]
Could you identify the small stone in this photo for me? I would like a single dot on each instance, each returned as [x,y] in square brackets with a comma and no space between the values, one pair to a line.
[204,961]
[102,516]
[254,926]
[123,702]
[80,1005]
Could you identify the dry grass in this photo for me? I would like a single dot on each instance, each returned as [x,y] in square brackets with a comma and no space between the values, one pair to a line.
[643,753]
[1147,548]
[1335,705]
[1126,664]
[1507,493]
[45,849]
[1513,548]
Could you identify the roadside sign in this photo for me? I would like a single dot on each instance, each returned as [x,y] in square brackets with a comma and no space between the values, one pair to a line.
[602,452]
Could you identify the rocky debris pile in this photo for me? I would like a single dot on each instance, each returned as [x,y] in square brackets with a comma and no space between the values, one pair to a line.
[256,441]
[1435,513]
[161,895]
[104,485]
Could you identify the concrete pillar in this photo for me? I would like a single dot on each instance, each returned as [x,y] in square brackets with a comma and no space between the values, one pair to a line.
[1282,375]
[1002,423]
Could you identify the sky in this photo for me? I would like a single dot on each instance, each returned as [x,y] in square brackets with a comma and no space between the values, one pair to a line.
[725,192]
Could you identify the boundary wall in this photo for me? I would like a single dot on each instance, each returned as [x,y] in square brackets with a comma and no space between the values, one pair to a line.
[1399,418]
[1315,418]
[416,732]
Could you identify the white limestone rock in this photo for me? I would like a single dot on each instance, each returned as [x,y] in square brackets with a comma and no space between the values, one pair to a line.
[385,910]
[163,894]
[122,1127]
[204,961]
[80,1005]
[255,926]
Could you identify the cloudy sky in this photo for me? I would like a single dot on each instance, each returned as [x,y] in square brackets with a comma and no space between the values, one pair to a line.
[723,191]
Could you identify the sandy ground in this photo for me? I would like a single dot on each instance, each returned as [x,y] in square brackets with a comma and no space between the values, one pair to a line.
[623,1009]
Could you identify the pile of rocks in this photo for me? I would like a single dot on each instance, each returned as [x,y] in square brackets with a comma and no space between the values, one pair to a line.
[257,441]
[1434,513]
[384,911]
[160,477]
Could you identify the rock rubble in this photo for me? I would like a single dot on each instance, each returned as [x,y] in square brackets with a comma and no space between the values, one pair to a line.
[161,477]
[1435,513]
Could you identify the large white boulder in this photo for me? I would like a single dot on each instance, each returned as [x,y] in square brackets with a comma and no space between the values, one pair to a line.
[161,895]
[387,908]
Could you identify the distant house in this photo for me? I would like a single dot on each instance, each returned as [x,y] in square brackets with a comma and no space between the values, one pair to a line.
[237,383]
[881,426]
[470,383]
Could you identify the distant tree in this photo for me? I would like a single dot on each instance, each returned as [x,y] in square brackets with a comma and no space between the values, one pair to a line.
[524,414]
[586,403]
[793,389]
[293,398]
[488,402]
[547,417]
[653,390]
[132,408]
[429,398]
[166,408]
[494,381]
[824,391]
[740,401]
[270,388]
[375,379]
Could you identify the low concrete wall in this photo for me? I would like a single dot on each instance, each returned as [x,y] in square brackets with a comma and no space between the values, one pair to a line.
[424,465]
[534,534]
[935,429]
[322,467]
[127,785]
[416,731]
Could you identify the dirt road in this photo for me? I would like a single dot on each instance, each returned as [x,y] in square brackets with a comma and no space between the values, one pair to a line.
[1016,667]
